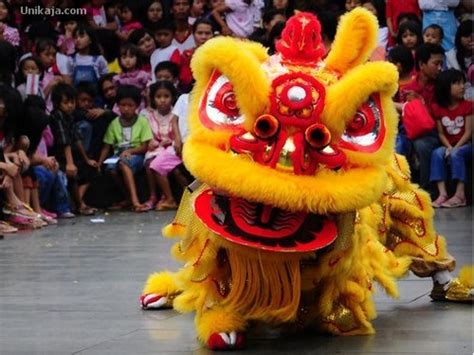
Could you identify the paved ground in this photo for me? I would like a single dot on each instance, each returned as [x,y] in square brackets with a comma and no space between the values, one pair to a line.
[73,289]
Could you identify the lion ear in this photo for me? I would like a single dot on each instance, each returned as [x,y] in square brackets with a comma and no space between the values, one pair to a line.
[355,40]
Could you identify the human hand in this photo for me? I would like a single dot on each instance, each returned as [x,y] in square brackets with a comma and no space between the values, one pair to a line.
[95,113]
[10,169]
[178,147]
[50,163]
[92,163]
[153,144]
[6,183]
[448,152]
[71,170]
[412,95]
[125,154]
[226,31]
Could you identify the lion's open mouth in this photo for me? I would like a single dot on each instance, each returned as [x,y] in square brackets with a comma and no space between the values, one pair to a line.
[264,227]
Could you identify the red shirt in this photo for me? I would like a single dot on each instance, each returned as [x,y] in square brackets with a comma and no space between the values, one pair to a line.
[454,120]
[394,8]
[426,91]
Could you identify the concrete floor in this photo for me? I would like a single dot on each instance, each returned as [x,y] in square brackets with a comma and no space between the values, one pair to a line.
[73,289]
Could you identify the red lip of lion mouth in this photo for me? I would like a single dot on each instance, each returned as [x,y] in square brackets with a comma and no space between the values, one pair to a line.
[264,227]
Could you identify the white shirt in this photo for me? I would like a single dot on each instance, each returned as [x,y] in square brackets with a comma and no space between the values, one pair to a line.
[187,44]
[242,17]
[161,55]
[180,110]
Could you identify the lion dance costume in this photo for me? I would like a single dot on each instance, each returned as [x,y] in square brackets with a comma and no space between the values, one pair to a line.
[302,205]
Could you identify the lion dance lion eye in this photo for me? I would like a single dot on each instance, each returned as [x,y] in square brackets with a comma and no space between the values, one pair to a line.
[218,107]
[366,131]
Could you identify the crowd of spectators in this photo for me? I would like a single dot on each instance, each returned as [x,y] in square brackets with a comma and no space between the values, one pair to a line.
[104,92]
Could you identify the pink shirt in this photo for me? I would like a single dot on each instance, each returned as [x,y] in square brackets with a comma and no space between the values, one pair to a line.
[70,48]
[11,35]
[138,78]
[241,17]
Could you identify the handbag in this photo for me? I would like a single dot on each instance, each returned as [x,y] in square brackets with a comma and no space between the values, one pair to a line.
[416,119]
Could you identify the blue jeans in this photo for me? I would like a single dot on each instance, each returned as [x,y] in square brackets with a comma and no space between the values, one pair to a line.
[135,163]
[85,127]
[53,189]
[423,148]
[457,161]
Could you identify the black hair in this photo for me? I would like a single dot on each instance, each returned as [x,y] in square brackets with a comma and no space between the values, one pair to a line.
[270,13]
[132,6]
[424,52]
[61,91]
[165,23]
[328,21]
[36,120]
[402,55]
[109,42]
[275,32]
[201,21]
[104,78]
[87,88]
[413,27]
[409,16]
[20,77]
[14,111]
[10,18]
[8,55]
[129,92]
[443,85]
[43,44]
[434,26]
[129,48]
[167,65]
[94,48]
[137,35]
[146,22]
[380,7]
[69,18]
[162,84]
[465,29]
[289,9]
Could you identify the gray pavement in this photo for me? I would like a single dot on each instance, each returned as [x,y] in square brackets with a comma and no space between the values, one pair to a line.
[73,289]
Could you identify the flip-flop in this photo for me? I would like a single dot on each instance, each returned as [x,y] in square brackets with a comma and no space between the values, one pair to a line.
[140,208]
[119,206]
[163,206]
[86,211]
[439,201]
[454,202]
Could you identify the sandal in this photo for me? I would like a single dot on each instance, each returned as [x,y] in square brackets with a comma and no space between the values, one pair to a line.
[439,201]
[5,228]
[454,202]
[166,206]
[150,203]
[140,208]
[87,211]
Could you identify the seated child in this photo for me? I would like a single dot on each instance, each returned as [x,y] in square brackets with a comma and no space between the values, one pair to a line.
[128,136]
[166,51]
[164,150]
[68,149]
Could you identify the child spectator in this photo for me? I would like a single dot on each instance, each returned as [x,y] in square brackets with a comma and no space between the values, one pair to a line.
[441,12]
[393,9]
[29,66]
[130,63]
[153,14]
[402,58]
[128,20]
[87,64]
[409,35]
[8,32]
[183,39]
[68,149]
[166,51]
[96,16]
[433,34]
[275,36]
[287,6]
[128,136]
[108,91]
[214,4]
[196,11]
[112,12]
[46,51]
[167,71]
[269,18]
[453,117]
[352,4]
[66,39]
[377,7]
[460,57]
[428,62]
[145,42]
[164,150]
[239,17]
[202,32]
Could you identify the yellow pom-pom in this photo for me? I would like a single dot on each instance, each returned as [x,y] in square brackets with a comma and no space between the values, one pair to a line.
[466,276]
[173,230]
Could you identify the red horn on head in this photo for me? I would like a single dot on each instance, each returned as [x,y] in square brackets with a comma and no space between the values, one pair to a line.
[300,41]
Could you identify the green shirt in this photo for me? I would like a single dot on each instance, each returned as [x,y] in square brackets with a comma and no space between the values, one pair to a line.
[122,138]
